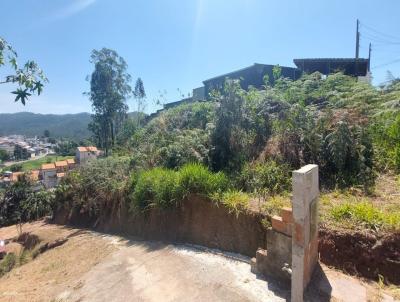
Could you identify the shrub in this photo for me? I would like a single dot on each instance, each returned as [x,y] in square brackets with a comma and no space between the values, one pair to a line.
[195,178]
[156,188]
[265,178]
[163,188]
[96,186]
[7,263]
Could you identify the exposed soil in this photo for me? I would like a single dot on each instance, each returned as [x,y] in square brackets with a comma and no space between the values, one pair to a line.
[362,254]
[56,269]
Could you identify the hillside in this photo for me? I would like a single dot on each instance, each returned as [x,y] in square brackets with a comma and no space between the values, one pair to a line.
[30,124]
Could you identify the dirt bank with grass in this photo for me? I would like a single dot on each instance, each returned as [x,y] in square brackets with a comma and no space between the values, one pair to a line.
[195,220]
[362,253]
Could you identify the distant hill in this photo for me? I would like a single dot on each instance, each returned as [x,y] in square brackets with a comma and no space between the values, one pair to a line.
[74,126]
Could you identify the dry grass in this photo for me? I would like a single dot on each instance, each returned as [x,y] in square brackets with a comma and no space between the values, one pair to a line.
[56,270]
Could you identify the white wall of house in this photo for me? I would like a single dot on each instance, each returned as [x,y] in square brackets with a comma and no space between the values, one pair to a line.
[49,178]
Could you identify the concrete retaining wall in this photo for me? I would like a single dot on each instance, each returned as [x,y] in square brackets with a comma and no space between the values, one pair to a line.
[196,220]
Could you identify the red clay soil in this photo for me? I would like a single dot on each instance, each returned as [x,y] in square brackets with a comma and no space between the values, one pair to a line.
[362,254]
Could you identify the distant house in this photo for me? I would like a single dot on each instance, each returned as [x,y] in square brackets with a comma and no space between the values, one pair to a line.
[84,154]
[71,163]
[61,166]
[60,176]
[33,175]
[49,175]
[15,176]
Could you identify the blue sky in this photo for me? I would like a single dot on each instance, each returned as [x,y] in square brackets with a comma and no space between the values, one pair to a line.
[175,44]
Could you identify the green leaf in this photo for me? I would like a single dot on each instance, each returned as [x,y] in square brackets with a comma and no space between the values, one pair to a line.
[22,95]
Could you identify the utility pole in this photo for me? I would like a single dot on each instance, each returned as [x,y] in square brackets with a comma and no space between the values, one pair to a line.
[369,57]
[357,40]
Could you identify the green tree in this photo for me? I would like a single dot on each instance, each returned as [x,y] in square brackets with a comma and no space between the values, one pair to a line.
[29,78]
[109,90]
[20,153]
[46,133]
[140,96]
[4,155]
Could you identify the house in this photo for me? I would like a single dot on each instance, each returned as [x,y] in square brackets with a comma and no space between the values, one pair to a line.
[84,154]
[49,175]
[60,176]
[15,176]
[253,75]
[71,163]
[61,166]
[349,66]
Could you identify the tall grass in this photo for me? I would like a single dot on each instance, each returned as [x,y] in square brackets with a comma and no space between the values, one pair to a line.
[365,214]
[163,188]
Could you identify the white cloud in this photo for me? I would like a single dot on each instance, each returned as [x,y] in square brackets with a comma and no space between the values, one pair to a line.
[73,8]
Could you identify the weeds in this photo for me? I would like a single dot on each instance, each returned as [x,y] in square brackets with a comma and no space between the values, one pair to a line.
[274,204]
[163,188]
[235,201]
[366,214]
[6,265]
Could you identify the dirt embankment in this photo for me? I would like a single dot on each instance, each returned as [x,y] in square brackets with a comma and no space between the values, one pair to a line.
[362,254]
[197,220]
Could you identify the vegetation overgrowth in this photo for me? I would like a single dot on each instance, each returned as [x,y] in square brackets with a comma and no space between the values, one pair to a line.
[240,147]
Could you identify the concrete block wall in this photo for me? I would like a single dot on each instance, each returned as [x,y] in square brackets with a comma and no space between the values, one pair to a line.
[276,260]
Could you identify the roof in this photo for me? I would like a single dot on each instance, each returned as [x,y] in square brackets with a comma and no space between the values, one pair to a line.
[70,161]
[333,60]
[254,66]
[349,66]
[62,163]
[87,149]
[48,166]
[59,175]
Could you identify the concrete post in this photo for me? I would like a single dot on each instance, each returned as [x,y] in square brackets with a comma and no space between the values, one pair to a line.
[305,228]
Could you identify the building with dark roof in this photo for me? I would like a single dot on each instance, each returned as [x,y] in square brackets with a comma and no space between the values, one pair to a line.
[253,75]
[349,66]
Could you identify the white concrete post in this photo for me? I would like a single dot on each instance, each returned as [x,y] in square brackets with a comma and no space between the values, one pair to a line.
[305,228]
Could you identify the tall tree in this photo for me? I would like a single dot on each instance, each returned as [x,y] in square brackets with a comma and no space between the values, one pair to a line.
[109,91]
[29,78]
[140,96]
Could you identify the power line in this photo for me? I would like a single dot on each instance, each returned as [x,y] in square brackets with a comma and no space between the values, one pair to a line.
[387,63]
[379,32]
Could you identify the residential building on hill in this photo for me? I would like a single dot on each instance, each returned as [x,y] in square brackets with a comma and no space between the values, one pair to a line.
[84,154]
[49,175]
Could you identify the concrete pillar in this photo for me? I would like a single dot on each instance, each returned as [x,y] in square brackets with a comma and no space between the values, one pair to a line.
[305,228]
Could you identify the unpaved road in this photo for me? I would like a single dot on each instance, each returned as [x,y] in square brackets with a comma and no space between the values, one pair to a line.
[157,272]
[95,267]
[92,266]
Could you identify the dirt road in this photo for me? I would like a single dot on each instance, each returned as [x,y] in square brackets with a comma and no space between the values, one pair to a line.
[94,267]
[157,272]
